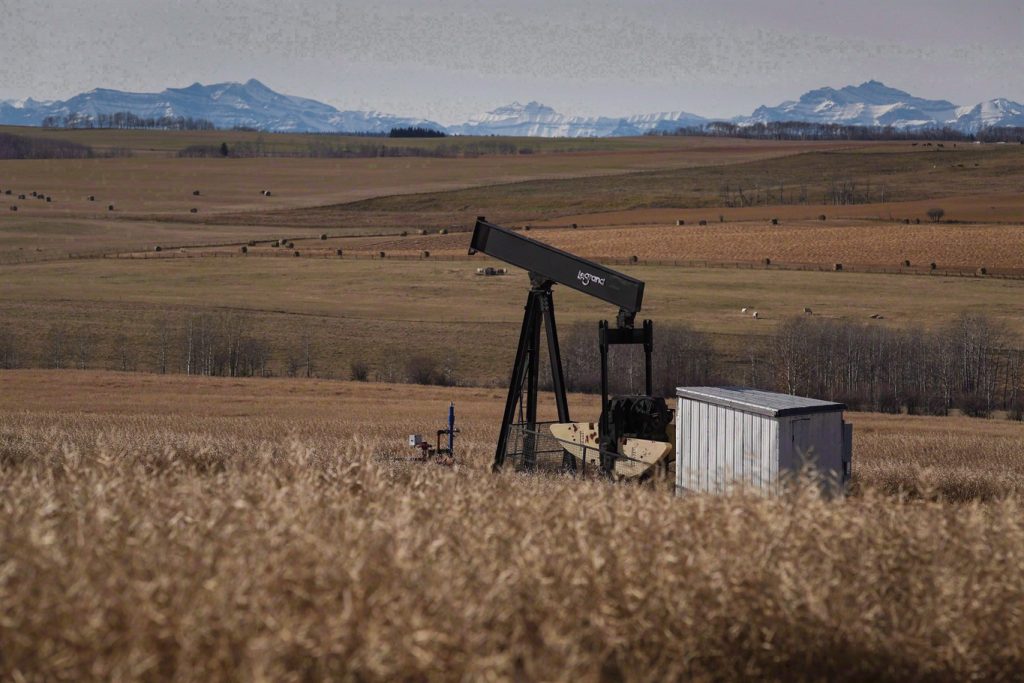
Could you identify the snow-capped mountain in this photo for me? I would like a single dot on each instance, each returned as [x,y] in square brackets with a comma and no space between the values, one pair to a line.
[254,105]
[250,104]
[868,104]
[991,113]
[536,120]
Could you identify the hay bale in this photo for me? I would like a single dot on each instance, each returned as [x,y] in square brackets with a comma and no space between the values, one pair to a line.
[680,221]
[193,210]
[274,243]
[906,263]
[92,198]
[837,267]
[323,236]
[245,249]
[808,311]
[296,252]
[35,194]
[252,243]
[49,199]
[775,221]
[821,217]
[702,223]
[425,254]
[7,192]
[574,226]
[338,252]
[932,265]
[290,245]
[906,221]
[766,261]
[404,233]
[633,259]
[110,207]
[267,193]
[195,193]
[442,231]
[982,271]
[21,196]
[14,207]
[158,248]
[382,254]
[421,232]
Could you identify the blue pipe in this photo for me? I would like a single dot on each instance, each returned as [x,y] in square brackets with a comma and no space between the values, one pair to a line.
[451,428]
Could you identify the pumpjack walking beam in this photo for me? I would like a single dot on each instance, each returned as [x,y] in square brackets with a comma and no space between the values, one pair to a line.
[547,267]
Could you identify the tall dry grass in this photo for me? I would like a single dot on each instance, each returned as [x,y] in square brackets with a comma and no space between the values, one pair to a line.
[270,549]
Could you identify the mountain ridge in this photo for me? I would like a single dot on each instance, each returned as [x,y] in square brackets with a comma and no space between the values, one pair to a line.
[254,105]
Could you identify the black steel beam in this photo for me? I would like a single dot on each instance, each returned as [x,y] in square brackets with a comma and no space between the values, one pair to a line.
[558,266]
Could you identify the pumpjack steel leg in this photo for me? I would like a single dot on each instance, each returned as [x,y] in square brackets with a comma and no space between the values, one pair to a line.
[539,310]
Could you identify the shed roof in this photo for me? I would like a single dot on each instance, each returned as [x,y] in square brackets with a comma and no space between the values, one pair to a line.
[759,402]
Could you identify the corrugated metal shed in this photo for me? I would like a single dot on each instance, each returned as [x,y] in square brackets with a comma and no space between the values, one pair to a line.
[735,436]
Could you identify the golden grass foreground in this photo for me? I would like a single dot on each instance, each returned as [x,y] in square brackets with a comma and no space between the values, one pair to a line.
[276,547]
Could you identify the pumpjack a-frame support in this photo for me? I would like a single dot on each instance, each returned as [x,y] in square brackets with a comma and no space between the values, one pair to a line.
[539,311]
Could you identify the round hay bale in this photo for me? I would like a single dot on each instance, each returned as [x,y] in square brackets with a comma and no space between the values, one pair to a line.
[14,207]
[158,248]
[821,217]
[837,267]
[290,245]
[274,243]
[702,223]
[766,261]
[404,233]
[574,226]
[382,254]
[21,196]
[252,243]
[442,231]
[680,221]
[110,207]
[268,193]
[323,236]
[92,198]
[7,192]
[245,249]
[338,252]
[195,193]
[526,227]
[425,254]
[296,252]
[633,259]
[49,199]
[983,271]
[193,210]
[932,265]
[35,194]
[775,221]
[721,218]
[917,221]
[421,232]
[906,263]
[906,221]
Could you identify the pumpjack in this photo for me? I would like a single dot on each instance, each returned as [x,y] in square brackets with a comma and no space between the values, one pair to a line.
[631,435]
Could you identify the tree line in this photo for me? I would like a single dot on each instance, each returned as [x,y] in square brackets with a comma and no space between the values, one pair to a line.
[325,149]
[972,364]
[28,147]
[126,120]
[804,130]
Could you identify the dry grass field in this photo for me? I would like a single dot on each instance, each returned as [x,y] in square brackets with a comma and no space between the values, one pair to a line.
[383,312]
[173,528]
[166,527]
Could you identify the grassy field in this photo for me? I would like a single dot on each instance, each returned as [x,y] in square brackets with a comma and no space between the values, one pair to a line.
[383,312]
[175,528]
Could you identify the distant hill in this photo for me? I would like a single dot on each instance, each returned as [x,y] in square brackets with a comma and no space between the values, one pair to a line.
[254,105]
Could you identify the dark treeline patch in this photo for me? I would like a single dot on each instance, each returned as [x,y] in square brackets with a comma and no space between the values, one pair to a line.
[416,132]
[325,149]
[24,147]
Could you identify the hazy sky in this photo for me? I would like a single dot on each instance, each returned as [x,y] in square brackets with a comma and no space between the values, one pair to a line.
[448,59]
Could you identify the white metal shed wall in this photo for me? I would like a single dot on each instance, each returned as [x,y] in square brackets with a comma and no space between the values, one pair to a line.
[721,446]
[814,437]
